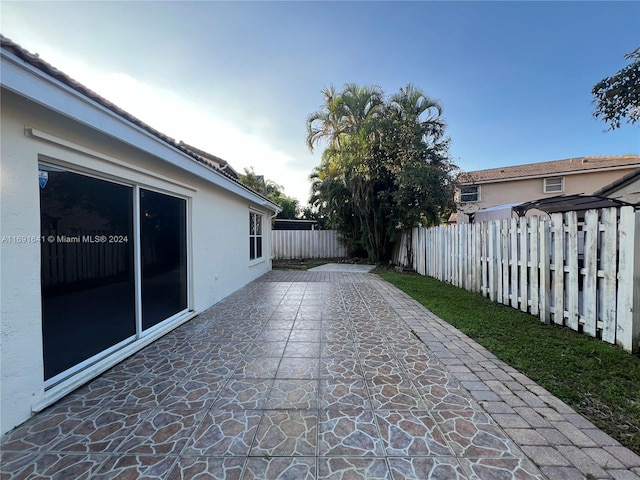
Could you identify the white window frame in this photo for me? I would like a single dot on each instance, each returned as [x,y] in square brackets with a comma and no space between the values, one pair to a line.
[545,185]
[477,194]
[253,237]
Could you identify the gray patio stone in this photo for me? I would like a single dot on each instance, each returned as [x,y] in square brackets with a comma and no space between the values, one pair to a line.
[306,375]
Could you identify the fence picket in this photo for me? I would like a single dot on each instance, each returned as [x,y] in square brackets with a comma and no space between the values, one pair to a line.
[534,271]
[523,261]
[590,260]
[545,271]
[513,236]
[504,235]
[557,228]
[572,263]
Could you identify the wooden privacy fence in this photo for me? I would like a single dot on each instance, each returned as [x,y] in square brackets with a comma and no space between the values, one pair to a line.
[583,274]
[290,244]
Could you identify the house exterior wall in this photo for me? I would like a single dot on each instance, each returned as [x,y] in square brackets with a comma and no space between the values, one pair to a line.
[218,232]
[523,190]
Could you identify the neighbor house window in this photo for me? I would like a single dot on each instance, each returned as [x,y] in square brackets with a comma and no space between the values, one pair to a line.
[255,236]
[553,185]
[470,193]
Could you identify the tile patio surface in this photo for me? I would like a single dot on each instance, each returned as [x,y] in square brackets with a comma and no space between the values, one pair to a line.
[304,375]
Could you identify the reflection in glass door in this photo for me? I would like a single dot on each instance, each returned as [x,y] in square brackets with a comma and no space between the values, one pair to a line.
[87,274]
[163,247]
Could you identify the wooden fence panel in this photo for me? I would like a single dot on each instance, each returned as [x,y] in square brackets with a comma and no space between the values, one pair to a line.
[292,244]
[584,274]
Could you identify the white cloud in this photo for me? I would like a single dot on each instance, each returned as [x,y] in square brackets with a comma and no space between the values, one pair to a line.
[182,119]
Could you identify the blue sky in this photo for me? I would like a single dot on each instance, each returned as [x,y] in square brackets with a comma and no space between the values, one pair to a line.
[238,79]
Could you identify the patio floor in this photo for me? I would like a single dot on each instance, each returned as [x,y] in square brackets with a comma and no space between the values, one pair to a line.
[304,375]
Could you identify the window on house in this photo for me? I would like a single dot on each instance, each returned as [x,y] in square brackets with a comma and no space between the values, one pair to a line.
[553,185]
[470,193]
[255,236]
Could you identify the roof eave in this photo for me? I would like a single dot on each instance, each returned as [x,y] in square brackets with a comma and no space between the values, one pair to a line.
[28,81]
[548,175]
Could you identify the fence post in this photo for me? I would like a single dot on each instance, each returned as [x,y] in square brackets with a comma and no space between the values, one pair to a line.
[628,324]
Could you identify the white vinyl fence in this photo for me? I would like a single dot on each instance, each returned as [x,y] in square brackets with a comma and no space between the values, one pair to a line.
[584,275]
[291,244]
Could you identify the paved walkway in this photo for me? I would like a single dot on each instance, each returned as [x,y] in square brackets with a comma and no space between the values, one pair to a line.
[304,375]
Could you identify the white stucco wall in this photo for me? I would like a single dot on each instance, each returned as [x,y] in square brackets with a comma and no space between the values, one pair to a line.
[219,223]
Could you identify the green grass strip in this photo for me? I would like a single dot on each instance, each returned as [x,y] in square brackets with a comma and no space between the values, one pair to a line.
[599,380]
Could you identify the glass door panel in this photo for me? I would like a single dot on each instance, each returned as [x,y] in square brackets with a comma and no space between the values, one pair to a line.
[163,247]
[87,274]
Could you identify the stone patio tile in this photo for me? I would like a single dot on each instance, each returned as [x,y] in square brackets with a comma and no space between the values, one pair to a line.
[348,432]
[280,468]
[224,433]
[42,431]
[353,468]
[498,468]
[293,394]
[164,432]
[244,393]
[411,433]
[195,394]
[211,468]
[343,392]
[286,433]
[103,432]
[433,468]
[474,434]
[12,464]
[59,466]
[302,375]
[135,466]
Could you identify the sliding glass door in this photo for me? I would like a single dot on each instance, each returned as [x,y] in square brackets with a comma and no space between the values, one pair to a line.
[90,243]
[88,288]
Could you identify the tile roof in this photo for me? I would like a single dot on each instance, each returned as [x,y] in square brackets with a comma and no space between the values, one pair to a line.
[213,160]
[198,155]
[556,167]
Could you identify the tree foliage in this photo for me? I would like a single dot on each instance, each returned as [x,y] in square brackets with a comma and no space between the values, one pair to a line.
[618,97]
[385,166]
[271,190]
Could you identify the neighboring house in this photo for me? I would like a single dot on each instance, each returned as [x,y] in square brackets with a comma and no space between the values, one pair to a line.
[112,234]
[508,185]
[626,188]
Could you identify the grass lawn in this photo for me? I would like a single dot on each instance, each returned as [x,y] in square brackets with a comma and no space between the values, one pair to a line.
[600,381]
